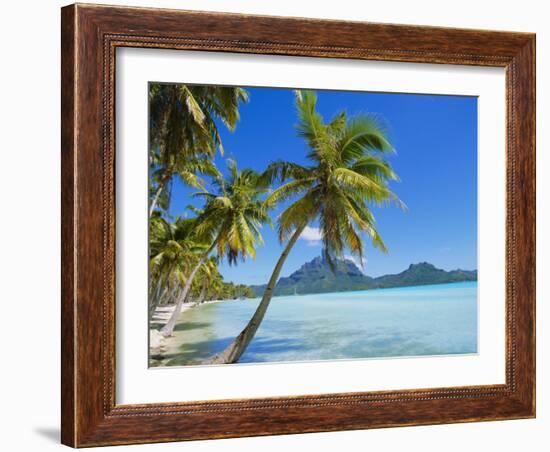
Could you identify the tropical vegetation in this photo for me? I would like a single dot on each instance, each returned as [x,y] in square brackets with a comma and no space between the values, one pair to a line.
[229,224]
[184,136]
[347,173]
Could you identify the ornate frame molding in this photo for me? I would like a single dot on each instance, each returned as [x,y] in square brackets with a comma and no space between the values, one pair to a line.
[90,37]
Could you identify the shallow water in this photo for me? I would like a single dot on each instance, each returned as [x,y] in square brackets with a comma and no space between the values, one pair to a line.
[408,321]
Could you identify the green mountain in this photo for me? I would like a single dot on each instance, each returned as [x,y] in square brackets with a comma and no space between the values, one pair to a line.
[317,277]
[424,273]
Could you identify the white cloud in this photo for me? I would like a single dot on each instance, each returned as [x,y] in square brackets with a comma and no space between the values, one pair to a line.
[313,243]
[312,235]
[356,260]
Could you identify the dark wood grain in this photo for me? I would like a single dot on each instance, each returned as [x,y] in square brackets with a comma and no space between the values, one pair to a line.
[68,332]
[90,36]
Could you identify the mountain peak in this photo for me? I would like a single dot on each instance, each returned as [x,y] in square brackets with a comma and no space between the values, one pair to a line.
[422,266]
[316,276]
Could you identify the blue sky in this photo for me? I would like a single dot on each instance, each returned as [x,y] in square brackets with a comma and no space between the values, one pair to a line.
[436,142]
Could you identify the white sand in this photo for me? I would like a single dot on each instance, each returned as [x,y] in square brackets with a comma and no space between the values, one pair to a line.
[157,342]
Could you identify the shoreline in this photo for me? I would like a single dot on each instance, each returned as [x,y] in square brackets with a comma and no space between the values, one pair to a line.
[157,342]
[159,345]
[200,334]
[369,290]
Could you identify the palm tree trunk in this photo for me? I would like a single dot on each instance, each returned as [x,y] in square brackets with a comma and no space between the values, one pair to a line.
[234,351]
[166,176]
[155,199]
[202,295]
[154,296]
[169,327]
[161,187]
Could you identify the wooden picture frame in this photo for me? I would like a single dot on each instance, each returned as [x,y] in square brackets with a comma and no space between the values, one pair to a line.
[90,36]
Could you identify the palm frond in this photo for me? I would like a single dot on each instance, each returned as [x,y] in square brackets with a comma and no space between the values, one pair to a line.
[282,171]
[310,125]
[363,133]
[286,191]
[194,107]
[372,166]
[355,181]
[301,212]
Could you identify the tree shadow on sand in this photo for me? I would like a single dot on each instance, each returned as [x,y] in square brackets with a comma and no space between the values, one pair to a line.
[260,348]
[193,353]
[181,326]
[188,326]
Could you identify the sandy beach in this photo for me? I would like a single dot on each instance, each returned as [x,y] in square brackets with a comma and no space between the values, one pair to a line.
[160,345]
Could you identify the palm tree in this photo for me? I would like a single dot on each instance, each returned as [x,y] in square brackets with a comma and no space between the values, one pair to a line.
[232,219]
[188,169]
[216,287]
[173,249]
[347,173]
[206,273]
[183,134]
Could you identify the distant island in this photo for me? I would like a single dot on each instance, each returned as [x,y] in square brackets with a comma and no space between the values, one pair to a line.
[317,277]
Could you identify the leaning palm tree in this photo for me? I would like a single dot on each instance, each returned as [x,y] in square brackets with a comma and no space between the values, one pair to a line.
[183,133]
[173,249]
[231,219]
[347,174]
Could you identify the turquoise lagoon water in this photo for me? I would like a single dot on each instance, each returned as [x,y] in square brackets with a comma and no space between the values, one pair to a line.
[408,321]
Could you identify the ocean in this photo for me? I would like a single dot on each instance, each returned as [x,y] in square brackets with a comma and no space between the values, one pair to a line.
[399,322]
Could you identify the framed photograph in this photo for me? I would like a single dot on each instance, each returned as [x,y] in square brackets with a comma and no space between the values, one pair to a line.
[281,225]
